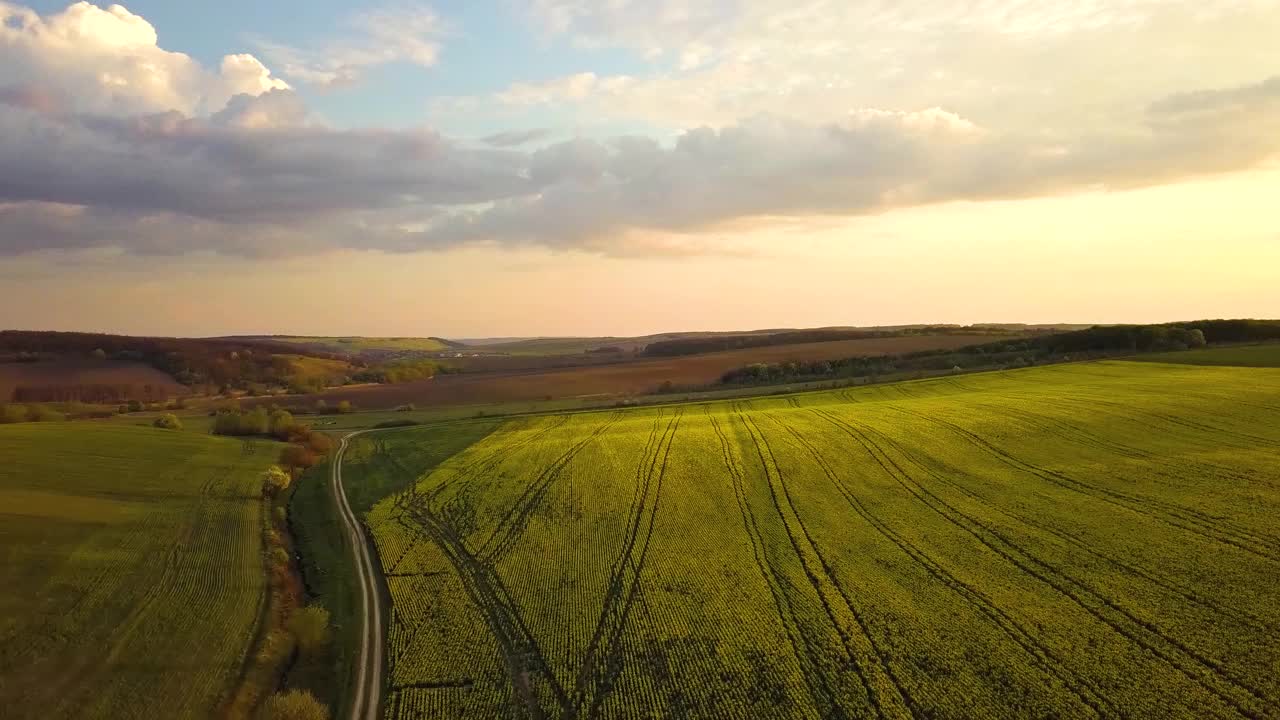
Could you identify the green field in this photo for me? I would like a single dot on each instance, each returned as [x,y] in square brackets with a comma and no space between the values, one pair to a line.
[131,569]
[1239,356]
[359,344]
[1097,539]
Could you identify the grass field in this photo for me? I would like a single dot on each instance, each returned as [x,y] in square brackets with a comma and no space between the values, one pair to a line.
[131,573]
[1097,539]
[1239,356]
[304,368]
[356,345]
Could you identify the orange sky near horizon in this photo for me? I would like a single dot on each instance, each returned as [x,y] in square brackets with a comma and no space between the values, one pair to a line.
[1196,249]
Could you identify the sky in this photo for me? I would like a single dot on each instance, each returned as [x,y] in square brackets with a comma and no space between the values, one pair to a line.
[619,167]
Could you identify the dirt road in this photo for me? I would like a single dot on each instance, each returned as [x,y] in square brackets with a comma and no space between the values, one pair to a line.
[368,688]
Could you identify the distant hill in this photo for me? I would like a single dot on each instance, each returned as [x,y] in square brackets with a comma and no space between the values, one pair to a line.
[374,348]
[639,343]
[93,367]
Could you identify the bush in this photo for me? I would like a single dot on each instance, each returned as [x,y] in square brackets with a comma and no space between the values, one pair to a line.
[344,406]
[237,422]
[275,480]
[408,407]
[135,406]
[13,413]
[280,423]
[310,628]
[319,443]
[37,413]
[294,705]
[279,557]
[297,456]
[168,421]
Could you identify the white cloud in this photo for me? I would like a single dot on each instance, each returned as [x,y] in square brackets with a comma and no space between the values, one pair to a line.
[107,140]
[1011,64]
[108,61]
[403,33]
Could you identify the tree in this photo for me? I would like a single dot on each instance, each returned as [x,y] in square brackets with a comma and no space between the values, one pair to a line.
[322,407]
[280,423]
[294,705]
[98,354]
[297,456]
[168,421]
[319,443]
[310,627]
[344,407]
[275,480]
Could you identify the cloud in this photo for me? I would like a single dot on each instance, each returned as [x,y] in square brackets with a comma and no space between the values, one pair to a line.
[513,138]
[403,33]
[1212,101]
[250,180]
[231,168]
[274,109]
[108,61]
[108,141]
[1010,64]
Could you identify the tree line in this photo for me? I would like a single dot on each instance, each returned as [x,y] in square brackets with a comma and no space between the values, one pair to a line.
[1094,342]
[720,343]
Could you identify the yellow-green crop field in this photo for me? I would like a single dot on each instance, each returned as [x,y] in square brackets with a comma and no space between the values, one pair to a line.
[131,573]
[1091,540]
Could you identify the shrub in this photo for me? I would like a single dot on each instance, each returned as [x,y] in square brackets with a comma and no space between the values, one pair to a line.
[279,557]
[310,628]
[294,705]
[275,480]
[38,413]
[344,406]
[135,406]
[13,413]
[280,423]
[168,421]
[297,456]
[407,407]
[319,443]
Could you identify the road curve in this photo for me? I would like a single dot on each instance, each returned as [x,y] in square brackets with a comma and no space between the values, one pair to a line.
[368,689]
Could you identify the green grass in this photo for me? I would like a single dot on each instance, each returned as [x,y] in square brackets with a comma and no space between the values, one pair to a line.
[375,466]
[1069,541]
[131,573]
[1239,355]
[360,344]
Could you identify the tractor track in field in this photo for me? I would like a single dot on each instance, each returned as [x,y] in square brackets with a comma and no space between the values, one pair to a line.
[511,526]
[787,617]
[520,651]
[1081,687]
[592,685]
[1192,521]
[940,475]
[1190,663]
[899,698]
